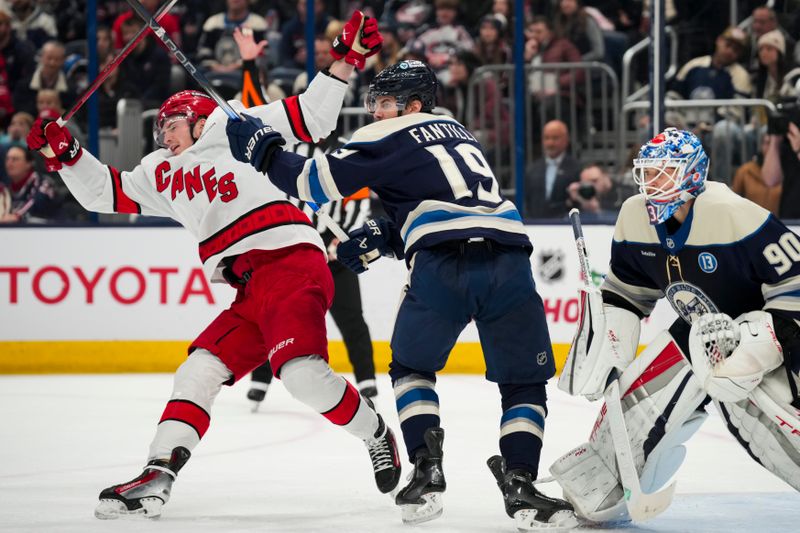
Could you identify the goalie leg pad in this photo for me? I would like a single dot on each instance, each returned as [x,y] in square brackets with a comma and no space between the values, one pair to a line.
[768,427]
[606,339]
[660,409]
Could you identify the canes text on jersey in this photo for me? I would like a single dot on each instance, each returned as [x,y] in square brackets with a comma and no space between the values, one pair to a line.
[192,182]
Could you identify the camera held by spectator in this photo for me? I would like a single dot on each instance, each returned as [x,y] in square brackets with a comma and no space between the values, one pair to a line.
[590,192]
[787,111]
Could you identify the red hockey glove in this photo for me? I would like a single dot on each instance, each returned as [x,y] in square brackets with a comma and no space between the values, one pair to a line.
[55,143]
[359,39]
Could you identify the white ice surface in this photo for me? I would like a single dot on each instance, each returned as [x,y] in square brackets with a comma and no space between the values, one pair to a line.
[286,469]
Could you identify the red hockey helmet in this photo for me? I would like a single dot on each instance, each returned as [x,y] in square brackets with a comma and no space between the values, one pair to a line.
[190,105]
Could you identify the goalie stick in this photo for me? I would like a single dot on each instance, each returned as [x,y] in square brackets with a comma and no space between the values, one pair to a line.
[201,80]
[641,506]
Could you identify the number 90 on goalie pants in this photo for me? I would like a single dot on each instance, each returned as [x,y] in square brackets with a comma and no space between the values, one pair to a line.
[454,283]
[660,398]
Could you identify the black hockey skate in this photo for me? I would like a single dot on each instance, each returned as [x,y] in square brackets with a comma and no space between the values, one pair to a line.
[144,496]
[530,509]
[421,499]
[384,456]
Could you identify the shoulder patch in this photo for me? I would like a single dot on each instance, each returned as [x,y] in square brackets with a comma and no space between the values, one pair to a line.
[383,128]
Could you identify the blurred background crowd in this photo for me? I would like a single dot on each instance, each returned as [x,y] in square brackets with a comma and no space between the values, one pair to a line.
[585,109]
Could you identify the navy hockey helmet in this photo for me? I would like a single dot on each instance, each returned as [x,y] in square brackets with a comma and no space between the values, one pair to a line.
[405,81]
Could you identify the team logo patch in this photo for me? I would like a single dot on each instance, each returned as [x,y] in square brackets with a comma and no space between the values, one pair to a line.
[541,358]
[551,265]
[670,243]
[689,301]
[707,261]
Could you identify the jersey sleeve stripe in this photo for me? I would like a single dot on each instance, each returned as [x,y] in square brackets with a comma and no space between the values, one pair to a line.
[314,185]
[260,219]
[122,203]
[643,298]
[296,120]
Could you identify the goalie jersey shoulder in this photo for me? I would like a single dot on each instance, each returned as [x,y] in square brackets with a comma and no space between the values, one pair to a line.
[720,217]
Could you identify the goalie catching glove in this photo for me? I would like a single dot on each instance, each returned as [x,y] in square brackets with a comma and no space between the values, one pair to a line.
[376,238]
[55,143]
[359,40]
[730,357]
[606,341]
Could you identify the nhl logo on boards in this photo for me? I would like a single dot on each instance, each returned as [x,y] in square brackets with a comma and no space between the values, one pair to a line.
[689,301]
[551,265]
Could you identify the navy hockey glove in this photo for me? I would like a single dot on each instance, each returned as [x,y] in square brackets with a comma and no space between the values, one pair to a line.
[376,235]
[253,142]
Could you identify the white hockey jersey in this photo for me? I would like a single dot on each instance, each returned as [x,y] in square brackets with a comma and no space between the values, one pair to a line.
[228,206]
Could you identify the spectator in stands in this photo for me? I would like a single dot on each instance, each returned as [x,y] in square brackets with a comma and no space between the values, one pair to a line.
[551,90]
[217,48]
[70,18]
[773,65]
[170,22]
[48,75]
[445,36]
[105,46]
[18,129]
[292,47]
[592,193]
[717,76]
[145,73]
[16,56]
[33,197]
[31,22]
[749,183]
[492,48]
[492,134]
[549,177]
[109,96]
[762,21]
[573,23]
[782,166]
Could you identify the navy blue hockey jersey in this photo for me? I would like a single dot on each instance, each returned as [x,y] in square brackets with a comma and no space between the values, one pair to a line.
[729,256]
[429,172]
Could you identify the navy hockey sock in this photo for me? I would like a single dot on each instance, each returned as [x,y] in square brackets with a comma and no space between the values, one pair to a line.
[522,425]
[417,406]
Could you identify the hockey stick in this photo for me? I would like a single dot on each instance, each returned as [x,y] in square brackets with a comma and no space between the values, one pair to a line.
[200,78]
[110,67]
[641,506]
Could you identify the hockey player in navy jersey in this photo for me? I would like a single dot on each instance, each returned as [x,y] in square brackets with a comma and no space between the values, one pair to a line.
[731,271]
[468,255]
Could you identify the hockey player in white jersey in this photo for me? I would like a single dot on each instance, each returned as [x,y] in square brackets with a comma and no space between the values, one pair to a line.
[731,271]
[250,236]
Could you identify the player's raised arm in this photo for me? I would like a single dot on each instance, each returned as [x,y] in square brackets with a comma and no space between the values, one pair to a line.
[97,187]
[310,116]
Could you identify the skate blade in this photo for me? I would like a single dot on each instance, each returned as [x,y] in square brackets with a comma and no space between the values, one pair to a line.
[560,521]
[113,509]
[254,408]
[430,509]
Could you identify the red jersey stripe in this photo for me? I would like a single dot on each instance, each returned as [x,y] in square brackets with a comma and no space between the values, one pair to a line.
[189,413]
[122,203]
[668,358]
[346,409]
[296,120]
[262,218]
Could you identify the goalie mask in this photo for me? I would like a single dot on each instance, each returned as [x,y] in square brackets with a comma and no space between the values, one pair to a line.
[670,170]
[185,105]
[405,81]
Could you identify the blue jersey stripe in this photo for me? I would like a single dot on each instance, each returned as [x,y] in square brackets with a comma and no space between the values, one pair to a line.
[417,395]
[523,412]
[315,186]
[441,215]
